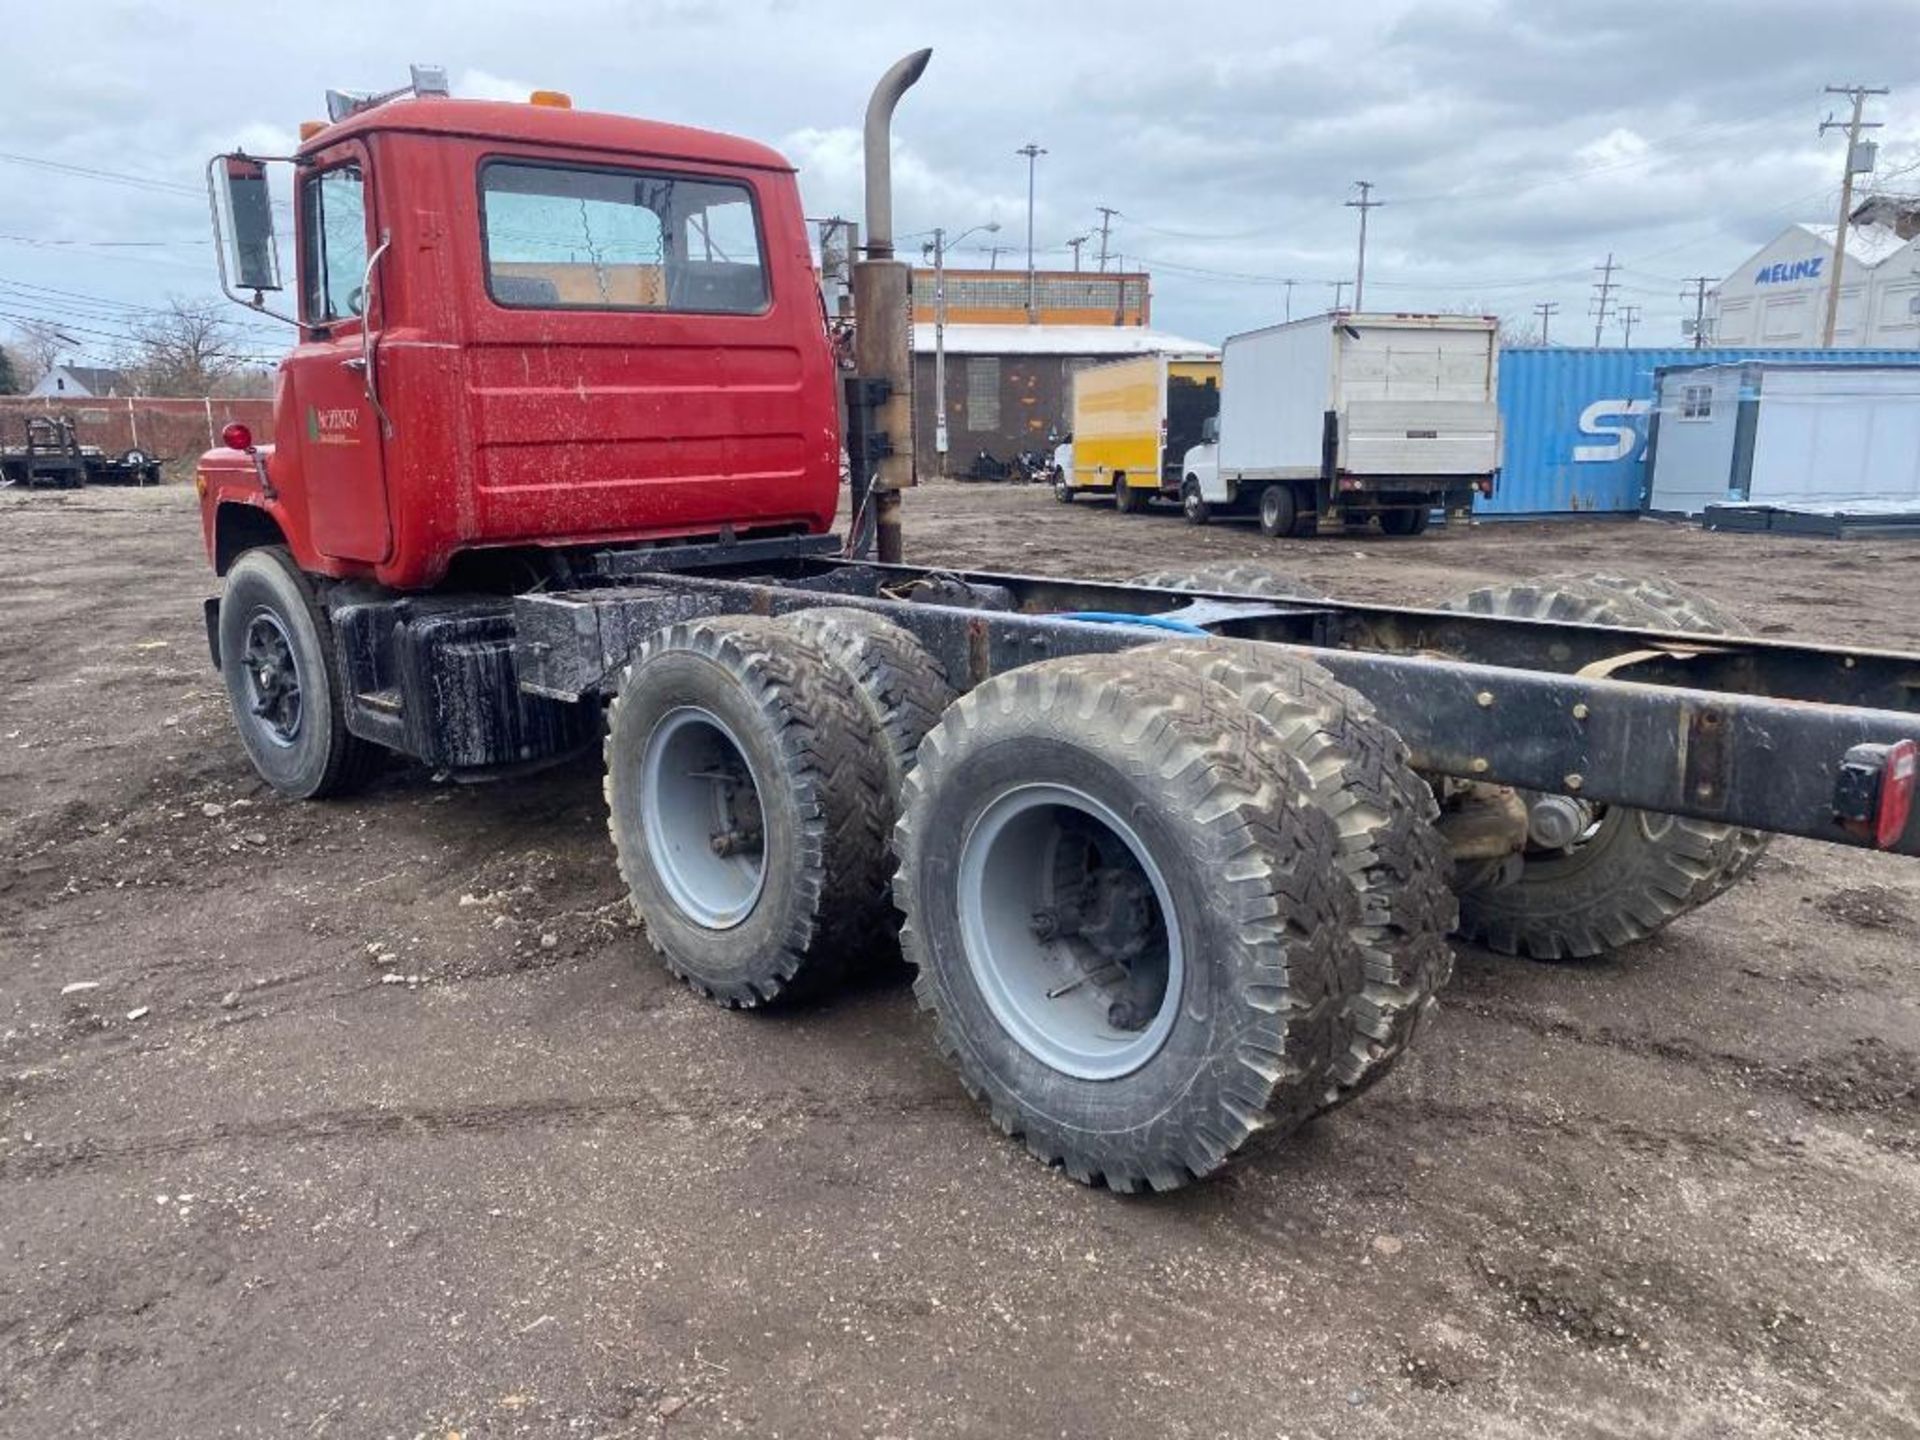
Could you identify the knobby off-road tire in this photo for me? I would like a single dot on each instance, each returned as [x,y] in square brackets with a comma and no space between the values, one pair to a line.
[1682,609]
[1636,871]
[284,681]
[1231,577]
[747,795]
[1389,849]
[904,689]
[1137,757]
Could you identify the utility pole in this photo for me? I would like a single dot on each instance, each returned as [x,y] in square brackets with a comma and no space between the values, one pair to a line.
[1859,160]
[1699,297]
[1107,212]
[1074,245]
[1363,204]
[1546,310]
[994,252]
[1289,284]
[1628,314]
[1033,153]
[1603,288]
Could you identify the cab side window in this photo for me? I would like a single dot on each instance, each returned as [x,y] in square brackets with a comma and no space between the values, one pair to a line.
[564,237]
[333,245]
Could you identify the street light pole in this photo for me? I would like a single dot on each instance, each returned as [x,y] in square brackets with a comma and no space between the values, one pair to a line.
[938,247]
[1033,152]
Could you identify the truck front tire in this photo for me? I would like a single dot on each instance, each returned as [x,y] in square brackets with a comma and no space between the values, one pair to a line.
[1192,505]
[284,681]
[1129,926]
[747,796]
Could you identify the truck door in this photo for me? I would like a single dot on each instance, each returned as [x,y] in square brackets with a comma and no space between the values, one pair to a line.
[339,433]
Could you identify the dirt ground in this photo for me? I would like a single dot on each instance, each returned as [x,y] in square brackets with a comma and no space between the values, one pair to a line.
[370,1124]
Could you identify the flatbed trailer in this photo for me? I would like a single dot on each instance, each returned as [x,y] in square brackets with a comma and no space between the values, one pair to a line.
[1175,860]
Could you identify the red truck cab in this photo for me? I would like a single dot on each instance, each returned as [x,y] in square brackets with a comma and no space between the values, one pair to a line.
[527,328]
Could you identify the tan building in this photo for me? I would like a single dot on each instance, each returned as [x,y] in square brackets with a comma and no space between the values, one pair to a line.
[1061,297]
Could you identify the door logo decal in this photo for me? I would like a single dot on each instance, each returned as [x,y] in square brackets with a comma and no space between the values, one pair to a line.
[337,425]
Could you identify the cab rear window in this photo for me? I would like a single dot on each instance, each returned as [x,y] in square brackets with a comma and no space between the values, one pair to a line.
[574,238]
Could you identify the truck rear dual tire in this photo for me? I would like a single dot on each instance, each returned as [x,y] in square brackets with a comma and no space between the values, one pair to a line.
[284,680]
[1406,523]
[1630,872]
[1127,919]
[1389,850]
[1128,499]
[749,799]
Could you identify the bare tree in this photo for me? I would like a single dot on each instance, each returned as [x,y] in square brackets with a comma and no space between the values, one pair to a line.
[38,350]
[187,349]
[9,373]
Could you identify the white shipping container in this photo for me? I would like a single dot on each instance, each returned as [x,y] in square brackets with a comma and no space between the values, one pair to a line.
[1821,436]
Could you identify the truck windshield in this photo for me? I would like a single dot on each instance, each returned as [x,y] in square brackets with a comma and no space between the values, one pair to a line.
[561,237]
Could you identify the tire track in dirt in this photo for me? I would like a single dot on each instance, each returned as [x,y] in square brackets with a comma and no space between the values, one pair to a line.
[60,1158]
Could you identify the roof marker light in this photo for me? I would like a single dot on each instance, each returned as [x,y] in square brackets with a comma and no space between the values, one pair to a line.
[554,99]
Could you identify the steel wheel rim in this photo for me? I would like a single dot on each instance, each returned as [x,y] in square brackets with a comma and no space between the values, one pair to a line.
[704,820]
[1270,506]
[275,696]
[1044,989]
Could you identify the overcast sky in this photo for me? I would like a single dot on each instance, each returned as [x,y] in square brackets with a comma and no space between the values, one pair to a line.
[1515,142]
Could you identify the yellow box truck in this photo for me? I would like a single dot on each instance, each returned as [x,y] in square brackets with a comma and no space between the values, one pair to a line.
[1133,420]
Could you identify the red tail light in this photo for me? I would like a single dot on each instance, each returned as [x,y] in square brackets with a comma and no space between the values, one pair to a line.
[1874,796]
[237,437]
[1896,794]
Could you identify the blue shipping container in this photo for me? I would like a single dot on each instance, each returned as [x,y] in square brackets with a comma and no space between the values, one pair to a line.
[1575,421]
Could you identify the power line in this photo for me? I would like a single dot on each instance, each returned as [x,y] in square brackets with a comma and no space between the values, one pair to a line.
[111,177]
[42,242]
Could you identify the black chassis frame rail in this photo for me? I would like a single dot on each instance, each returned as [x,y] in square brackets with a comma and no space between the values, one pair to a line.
[1743,731]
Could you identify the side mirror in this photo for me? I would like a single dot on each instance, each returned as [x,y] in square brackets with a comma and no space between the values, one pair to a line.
[1210,430]
[249,223]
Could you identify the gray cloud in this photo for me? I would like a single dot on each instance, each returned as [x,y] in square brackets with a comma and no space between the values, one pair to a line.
[1515,144]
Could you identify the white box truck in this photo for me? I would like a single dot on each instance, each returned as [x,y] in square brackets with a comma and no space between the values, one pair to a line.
[1345,417]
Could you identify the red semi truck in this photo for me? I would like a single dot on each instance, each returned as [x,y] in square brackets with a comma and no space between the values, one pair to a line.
[554,464]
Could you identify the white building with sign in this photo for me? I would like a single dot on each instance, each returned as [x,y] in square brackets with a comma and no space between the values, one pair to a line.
[1779,296]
